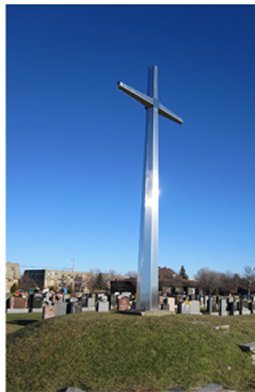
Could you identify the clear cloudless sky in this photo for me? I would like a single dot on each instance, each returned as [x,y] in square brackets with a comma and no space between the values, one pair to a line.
[75,143]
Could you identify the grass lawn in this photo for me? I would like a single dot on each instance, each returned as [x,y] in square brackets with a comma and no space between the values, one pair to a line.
[15,322]
[118,353]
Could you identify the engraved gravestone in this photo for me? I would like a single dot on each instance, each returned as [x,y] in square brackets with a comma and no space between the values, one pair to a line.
[91,303]
[19,303]
[123,303]
[195,307]
[171,303]
[113,302]
[60,309]
[102,306]
[222,310]
[209,305]
[74,307]
[48,311]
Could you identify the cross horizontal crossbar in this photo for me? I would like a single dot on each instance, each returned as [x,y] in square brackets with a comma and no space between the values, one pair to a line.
[149,102]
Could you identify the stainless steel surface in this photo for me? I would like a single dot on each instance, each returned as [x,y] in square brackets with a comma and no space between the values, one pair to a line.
[147,277]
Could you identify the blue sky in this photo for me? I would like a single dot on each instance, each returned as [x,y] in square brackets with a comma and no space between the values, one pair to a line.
[75,143]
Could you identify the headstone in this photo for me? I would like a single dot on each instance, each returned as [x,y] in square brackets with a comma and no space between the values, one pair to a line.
[194,307]
[123,303]
[8,302]
[37,301]
[48,311]
[77,307]
[133,305]
[171,303]
[179,307]
[113,302]
[222,310]
[165,306]
[231,308]
[73,307]
[126,294]
[19,303]
[189,308]
[91,303]
[102,306]
[209,305]
[185,308]
[248,347]
[60,309]
[84,300]
[252,306]
[240,306]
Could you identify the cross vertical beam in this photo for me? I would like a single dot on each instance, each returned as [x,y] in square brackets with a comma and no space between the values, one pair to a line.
[147,276]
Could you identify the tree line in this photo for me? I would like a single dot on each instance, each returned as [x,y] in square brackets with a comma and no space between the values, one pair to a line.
[213,282]
[207,280]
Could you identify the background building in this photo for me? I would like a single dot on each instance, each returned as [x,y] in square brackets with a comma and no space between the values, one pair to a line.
[12,275]
[45,278]
[169,283]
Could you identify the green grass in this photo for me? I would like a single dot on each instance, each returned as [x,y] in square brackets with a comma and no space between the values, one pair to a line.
[119,353]
[15,322]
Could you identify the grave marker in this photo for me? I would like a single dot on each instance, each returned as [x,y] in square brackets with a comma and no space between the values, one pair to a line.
[48,311]
[123,303]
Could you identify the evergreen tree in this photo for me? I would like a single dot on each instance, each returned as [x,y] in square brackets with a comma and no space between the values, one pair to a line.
[183,273]
[100,282]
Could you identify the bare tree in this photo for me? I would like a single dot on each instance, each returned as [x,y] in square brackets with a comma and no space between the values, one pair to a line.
[131,274]
[250,278]
[209,281]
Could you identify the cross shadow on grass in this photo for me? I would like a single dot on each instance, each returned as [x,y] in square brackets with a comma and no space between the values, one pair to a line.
[22,322]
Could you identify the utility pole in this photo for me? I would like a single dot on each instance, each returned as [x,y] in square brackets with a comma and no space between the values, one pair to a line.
[73,267]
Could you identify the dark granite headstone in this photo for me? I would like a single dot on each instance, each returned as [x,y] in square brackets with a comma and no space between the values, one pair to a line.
[8,303]
[37,301]
[231,308]
[241,306]
[251,306]
[179,307]
[210,305]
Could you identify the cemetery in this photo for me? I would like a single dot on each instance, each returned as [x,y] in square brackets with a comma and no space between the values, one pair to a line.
[52,303]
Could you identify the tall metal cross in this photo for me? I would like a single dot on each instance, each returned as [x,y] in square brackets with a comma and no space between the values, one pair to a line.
[147,276]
